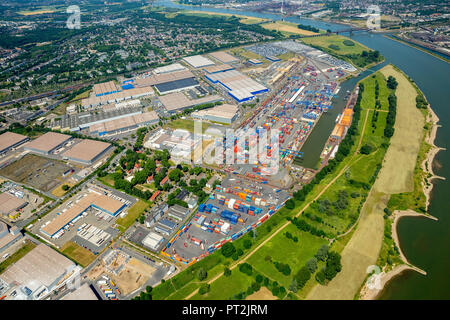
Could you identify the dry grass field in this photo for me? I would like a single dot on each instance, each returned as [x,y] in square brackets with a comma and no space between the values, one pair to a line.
[81,255]
[287,27]
[405,143]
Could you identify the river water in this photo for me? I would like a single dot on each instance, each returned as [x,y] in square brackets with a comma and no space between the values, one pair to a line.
[426,243]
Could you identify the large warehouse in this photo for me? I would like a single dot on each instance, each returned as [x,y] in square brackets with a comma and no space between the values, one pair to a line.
[116,97]
[87,151]
[105,88]
[224,57]
[8,236]
[225,113]
[198,61]
[10,203]
[175,102]
[124,124]
[239,86]
[9,140]
[169,68]
[38,273]
[92,199]
[48,143]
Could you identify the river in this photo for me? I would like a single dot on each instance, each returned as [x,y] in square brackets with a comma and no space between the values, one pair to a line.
[425,242]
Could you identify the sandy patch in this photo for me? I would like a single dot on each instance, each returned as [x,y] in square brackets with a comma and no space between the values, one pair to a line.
[133,276]
[262,294]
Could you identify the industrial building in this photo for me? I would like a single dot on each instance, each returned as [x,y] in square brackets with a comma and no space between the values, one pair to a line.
[156,214]
[224,57]
[218,68]
[163,78]
[124,124]
[84,120]
[198,61]
[10,203]
[105,88]
[225,113]
[116,97]
[153,241]
[165,226]
[170,68]
[90,200]
[8,236]
[178,212]
[176,102]
[239,86]
[87,151]
[38,273]
[10,140]
[177,85]
[48,143]
[84,292]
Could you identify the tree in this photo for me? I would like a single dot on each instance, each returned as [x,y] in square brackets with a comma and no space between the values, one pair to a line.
[302,276]
[204,289]
[65,187]
[322,253]
[320,277]
[149,289]
[293,286]
[227,272]
[311,264]
[290,204]
[202,274]
[366,149]
[246,268]
[228,249]
[247,243]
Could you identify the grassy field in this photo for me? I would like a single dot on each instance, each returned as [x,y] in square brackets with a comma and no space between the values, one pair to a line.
[107,180]
[59,192]
[225,287]
[338,41]
[284,250]
[365,246]
[81,255]
[244,19]
[186,125]
[133,213]
[287,28]
[16,256]
[246,54]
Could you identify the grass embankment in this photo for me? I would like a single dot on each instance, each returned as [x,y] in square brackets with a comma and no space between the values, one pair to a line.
[16,256]
[133,213]
[77,253]
[287,28]
[371,239]
[244,19]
